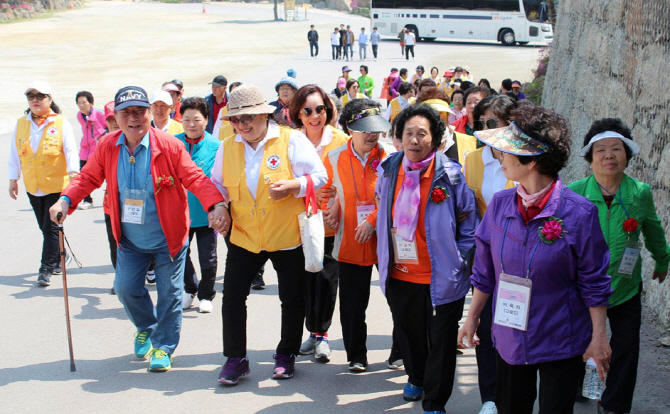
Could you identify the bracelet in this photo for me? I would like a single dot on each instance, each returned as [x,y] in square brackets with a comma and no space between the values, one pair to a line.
[11,180]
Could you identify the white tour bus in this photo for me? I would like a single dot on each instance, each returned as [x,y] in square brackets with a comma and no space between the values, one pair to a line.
[505,21]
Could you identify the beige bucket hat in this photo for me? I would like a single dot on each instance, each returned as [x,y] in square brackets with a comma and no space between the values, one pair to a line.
[247,99]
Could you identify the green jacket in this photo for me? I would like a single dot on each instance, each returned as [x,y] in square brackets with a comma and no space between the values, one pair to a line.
[367,85]
[639,203]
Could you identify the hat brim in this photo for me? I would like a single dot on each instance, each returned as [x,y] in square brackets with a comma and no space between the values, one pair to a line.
[128,104]
[252,110]
[374,123]
[439,106]
[632,145]
[503,140]
[216,84]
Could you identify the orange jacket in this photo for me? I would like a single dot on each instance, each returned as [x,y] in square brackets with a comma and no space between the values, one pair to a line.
[354,184]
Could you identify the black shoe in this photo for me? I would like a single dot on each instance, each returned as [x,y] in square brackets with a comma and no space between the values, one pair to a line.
[258,283]
[44,278]
[57,270]
[112,291]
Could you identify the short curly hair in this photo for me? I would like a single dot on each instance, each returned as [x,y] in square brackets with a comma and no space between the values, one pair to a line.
[549,127]
[299,100]
[437,125]
[354,107]
[608,124]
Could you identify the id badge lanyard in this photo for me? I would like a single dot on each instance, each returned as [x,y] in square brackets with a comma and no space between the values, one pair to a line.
[363,208]
[134,207]
[514,293]
[631,253]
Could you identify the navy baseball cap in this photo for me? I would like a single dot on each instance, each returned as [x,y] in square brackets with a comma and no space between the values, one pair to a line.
[130,96]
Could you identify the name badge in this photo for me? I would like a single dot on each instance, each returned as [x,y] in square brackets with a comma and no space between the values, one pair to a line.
[629,258]
[405,251]
[133,206]
[513,302]
[363,210]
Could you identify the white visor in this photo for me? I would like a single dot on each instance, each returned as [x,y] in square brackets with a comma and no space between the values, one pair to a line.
[634,147]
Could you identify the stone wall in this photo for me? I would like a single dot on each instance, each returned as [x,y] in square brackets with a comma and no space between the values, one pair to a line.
[32,9]
[611,58]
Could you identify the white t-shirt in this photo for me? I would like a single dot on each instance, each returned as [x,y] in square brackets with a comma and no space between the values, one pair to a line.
[410,39]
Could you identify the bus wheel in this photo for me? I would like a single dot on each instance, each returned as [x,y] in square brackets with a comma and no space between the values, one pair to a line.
[523,43]
[507,37]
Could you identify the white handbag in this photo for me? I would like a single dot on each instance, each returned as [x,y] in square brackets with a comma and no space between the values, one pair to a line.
[312,232]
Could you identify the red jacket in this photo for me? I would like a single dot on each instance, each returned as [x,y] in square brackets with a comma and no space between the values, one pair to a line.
[168,158]
[460,124]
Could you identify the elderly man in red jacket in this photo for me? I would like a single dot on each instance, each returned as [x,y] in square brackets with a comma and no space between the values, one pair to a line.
[147,173]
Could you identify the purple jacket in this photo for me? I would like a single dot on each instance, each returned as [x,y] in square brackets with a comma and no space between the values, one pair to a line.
[92,129]
[395,86]
[450,243]
[568,276]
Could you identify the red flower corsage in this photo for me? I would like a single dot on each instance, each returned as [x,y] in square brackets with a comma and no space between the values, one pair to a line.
[439,194]
[552,230]
[164,181]
[630,225]
[374,163]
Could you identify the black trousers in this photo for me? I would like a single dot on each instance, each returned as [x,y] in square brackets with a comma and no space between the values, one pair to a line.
[516,386]
[339,51]
[354,299]
[625,320]
[486,354]
[427,339]
[241,268]
[321,292]
[206,237]
[313,48]
[409,48]
[88,198]
[50,249]
[374,50]
[110,239]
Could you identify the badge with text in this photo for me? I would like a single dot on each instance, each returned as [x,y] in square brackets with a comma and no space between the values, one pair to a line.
[405,251]
[513,302]
[363,210]
[273,162]
[133,206]
[629,259]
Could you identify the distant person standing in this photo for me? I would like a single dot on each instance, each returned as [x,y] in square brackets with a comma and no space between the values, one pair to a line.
[410,41]
[401,36]
[343,43]
[313,38]
[375,38]
[516,90]
[350,39]
[92,123]
[365,81]
[335,43]
[216,101]
[363,45]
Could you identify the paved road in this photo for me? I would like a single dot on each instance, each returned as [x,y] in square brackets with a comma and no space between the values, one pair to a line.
[112,44]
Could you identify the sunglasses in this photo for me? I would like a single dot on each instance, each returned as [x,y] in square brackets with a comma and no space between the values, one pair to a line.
[244,119]
[320,109]
[490,123]
[38,96]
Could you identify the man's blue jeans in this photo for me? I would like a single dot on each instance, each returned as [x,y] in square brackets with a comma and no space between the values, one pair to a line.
[350,48]
[164,321]
[362,51]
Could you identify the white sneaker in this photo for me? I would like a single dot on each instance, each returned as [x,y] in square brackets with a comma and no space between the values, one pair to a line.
[187,300]
[151,276]
[308,346]
[322,351]
[489,407]
[205,306]
[85,205]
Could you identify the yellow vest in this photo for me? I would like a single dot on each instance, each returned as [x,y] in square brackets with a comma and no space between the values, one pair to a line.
[264,223]
[395,109]
[226,130]
[345,98]
[465,144]
[339,139]
[46,170]
[474,176]
[175,127]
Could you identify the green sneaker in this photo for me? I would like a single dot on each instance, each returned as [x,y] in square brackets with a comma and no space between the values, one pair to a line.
[142,344]
[160,361]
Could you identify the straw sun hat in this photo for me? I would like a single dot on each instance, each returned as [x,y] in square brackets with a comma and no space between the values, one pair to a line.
[247,99]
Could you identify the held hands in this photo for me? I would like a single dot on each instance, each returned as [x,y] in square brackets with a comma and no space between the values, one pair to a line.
[468,331]
[13,189]
[282,188]
[364,232]
[656,275]
[331,217]
[219,220]
[323,195]
[599,349]
[60,207]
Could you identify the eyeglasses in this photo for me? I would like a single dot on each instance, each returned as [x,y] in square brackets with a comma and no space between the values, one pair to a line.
[244,119]
[490,123]
[38,96]
[320,109]
[356,87]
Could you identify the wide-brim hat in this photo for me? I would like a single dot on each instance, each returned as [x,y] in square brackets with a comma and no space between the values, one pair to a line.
[512,140]
[632,145]
[439,105]
[247,99]
[368,120]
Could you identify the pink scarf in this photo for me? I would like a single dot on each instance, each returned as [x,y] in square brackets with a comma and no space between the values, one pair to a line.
[529,200]
[406,209]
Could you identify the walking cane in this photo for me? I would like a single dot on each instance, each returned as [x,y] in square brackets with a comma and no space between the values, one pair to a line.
[61,242]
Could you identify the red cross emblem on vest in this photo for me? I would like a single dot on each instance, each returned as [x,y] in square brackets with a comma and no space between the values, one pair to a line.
[273,162]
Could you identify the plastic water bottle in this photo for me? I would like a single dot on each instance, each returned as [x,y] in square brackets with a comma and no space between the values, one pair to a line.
[593,386]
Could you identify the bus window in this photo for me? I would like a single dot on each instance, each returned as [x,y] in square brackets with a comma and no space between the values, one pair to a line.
[496,5]
[536,11]
[383,4]
[432,4]
[457,5]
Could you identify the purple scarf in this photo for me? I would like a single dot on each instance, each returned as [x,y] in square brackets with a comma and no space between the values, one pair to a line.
[406,209]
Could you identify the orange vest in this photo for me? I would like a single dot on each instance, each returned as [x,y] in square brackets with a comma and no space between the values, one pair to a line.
[474,176]
[351,190]
[339,139]
[264,223]
[45,170]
